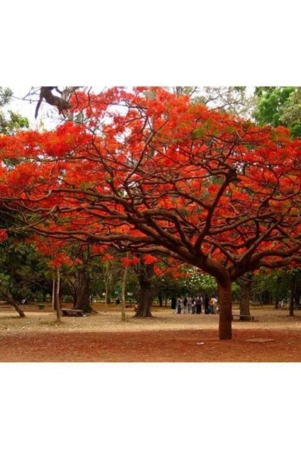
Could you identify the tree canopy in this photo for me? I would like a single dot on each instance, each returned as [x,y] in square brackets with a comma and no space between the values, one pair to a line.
[150,172]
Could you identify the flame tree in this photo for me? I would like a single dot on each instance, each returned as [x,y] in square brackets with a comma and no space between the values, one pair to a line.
[153,173]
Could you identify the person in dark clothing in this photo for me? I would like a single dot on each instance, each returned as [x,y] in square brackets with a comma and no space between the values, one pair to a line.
[198,305]
[206,304]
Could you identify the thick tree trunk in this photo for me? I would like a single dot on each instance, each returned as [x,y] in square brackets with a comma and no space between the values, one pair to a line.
[225,315]
[123,290]
[83,292]
[145,300]
[146,294]
[246,286]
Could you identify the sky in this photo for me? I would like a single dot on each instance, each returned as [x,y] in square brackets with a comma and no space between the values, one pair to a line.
[25,104]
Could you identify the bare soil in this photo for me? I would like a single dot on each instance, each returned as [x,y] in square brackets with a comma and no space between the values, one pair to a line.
[167,337]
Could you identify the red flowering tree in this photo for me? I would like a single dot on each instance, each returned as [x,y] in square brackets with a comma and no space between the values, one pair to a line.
[152,173]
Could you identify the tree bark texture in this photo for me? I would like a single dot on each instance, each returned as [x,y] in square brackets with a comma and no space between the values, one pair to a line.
[16,306]
[246,285]
[123,291]
[57,296]
[225,315]
[56,293]
[145,294]
[82,295]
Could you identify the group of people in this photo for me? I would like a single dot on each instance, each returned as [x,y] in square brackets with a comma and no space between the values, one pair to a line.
[194,305]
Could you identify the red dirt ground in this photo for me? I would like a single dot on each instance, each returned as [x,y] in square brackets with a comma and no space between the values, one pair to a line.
[273,337]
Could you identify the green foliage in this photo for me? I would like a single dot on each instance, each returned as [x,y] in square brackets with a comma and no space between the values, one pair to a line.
[23,272]
[5,96]
[279,106]
[271,103]
[10,122]
[291,114]
[275,285]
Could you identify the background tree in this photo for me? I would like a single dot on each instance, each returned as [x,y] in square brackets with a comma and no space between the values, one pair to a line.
[23,271]
[279,105]
[291,112]
[237,100]
[112,272]
[10,122]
